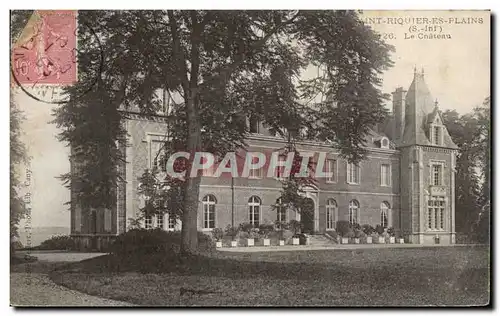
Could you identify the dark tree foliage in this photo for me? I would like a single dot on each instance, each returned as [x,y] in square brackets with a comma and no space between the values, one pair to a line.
[471,134]
[226,66]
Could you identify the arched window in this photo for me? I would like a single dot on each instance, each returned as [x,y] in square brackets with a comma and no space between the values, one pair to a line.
[254,211]
[384,211]
[353,211]
[209,203]
[280,211]
[331,210]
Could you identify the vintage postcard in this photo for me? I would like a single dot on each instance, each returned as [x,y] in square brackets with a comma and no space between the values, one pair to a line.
[250,158]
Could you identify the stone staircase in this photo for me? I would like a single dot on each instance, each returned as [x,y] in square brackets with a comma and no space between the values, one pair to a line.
[320,240]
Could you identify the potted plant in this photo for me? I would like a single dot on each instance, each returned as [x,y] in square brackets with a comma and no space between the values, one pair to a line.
[381,232]
[343,229]
[392,235]
[232,232]
[368,231]
[265,231]
[281,227]
[350,237]
[400,239]
[218,234]
[250,232]
[358,233]
[296,228]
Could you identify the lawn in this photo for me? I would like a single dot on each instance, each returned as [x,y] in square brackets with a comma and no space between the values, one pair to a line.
[368,277]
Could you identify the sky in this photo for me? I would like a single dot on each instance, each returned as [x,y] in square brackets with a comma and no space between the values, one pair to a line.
[457,72]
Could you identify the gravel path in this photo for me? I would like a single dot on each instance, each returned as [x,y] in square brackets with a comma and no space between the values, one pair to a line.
[36,289]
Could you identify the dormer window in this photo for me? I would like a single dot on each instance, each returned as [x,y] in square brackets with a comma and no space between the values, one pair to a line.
[384,143]
[436,135]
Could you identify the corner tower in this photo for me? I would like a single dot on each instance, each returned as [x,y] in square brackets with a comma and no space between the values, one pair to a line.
[427,169]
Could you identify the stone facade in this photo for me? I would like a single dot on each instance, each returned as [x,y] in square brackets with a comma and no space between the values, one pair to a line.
[413,147]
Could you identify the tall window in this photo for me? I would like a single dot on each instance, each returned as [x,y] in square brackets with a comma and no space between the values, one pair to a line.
[331,167]
[385,175]
[254,211]
[331,207]
[209,211]
[159,221]
[254,125]
[435,209]
[436,135]
[353,211]
[280,211]
[148,222]
[279,170]
[437,171]
[353,173]
[384,210]
[171,223]
[255,173]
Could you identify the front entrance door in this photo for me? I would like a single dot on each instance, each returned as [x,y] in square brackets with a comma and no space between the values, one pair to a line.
[307,217]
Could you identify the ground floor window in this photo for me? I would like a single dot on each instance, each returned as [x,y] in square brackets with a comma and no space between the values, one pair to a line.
[280,211]
[209,211]
[254,211]
[353,212]
[435,215]
[331,207]
[384,209]
[148,222]
[159,221]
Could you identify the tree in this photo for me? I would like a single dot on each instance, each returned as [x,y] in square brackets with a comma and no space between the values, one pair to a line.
[226,66]
[17,158]
[470,132]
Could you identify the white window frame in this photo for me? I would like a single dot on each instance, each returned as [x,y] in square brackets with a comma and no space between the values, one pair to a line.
[162,217]
[281,211]
[441,176]
[385,208]
[148,221]
[439,128]
[389,174]
[354,207]
[358,168]
[253,202]
[335,170]
[331,214]
[436,214]
[206,203]
[277,174]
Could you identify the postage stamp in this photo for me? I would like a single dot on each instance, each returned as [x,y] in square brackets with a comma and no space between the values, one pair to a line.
[252,158]
[46,51]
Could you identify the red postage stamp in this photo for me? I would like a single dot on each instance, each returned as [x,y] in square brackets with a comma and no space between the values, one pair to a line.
[46,51]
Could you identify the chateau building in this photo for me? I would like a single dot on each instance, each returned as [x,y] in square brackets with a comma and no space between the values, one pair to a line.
[407,181]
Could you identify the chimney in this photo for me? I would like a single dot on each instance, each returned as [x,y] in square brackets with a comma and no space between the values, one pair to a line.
[398,110]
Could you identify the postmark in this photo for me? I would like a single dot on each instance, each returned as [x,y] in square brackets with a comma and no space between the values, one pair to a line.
[45,56]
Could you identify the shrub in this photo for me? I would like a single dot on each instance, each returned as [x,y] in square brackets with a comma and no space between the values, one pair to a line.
[246,227]
[380,229]
[217,234]
[58,242]
[152,241]
[265,230]
[343,228]
[350,234]
[231,231]
[295,226]
[368,229]
[391,232]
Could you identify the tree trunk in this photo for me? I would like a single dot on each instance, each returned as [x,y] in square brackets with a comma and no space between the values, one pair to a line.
[189,234]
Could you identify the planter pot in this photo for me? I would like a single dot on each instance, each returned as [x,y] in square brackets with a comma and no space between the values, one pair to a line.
[356,240]
[234,243]
[295,241]
[392,240]
[345,240]
[282,242]
[369,240]
[218,244]
[401,240]
[267,242]
[381,240]
[250,242]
